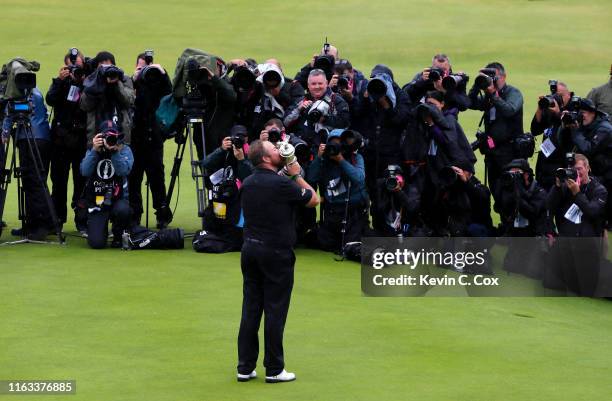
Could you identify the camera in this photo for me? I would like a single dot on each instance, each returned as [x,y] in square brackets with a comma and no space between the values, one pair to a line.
[549,101]
[452,81]
[16,107]
[435,73]
[274,135]
[148,56]
[110,138]
[332,149]
[302,150]
[509,178]
[343,82]
[486,78]
[325,63]
[237,141]
[112,72]
[243,79]
[351,141]
[552,83]
[319,109]
[570,159]
[377,88]
[564,174]
[151,74]
[571,117]
[195,74]
[393,177]
[480,142]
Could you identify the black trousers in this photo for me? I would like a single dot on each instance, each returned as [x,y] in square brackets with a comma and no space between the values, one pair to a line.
[267,283]
[149,160]
[63,160]
[36,208]
[97,223]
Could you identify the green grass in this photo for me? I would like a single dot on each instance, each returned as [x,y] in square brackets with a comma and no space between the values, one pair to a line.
[162,325]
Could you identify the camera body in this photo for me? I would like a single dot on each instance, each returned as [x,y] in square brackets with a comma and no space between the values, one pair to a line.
[435,73]
[148,56]
[238,141]
[110,138]
[511,178]
[343,82]
[393,177]
[112,72]
[377,88]
[274,135]
[486,78]
[317,110]
[564,174]
[452,81]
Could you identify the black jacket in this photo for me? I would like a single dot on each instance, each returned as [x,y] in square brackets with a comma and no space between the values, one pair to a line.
[591,200]
[383,129]
[595,142]
[146,131]
[69,124]
[550,128]
[517,202]
[338,117]
[503,118]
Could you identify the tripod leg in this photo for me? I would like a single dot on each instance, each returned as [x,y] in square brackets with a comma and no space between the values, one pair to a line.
[38,170]
[197,172]
[176,167]
[148,191]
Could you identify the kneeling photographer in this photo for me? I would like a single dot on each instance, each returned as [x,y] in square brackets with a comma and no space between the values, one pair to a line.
[556,142]
[107,166]
[108,95]
[520,202]
[578,203]
[151,83]
[223,220]
[339,171]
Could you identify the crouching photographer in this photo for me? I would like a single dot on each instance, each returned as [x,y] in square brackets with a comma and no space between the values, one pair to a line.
[520,202]
[340,173]
[108,94]
[223,219]
[578,204]
[107,165]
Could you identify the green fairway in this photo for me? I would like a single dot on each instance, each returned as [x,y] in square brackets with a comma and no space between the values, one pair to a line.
[155,325]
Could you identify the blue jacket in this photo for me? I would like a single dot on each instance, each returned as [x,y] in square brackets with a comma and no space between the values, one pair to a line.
[333,179]
[39,121]
[122,162]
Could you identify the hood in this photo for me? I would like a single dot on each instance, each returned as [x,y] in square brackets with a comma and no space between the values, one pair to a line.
[264,68]
[381,69]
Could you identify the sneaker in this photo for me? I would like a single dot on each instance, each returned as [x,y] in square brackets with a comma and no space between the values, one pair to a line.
[246,378]
[282,377]
[84,233]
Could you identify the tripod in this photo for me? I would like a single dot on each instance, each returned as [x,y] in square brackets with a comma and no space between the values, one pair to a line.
[19,112]
[193,118]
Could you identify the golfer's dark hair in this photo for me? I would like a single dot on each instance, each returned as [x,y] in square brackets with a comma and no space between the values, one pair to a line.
[257,151]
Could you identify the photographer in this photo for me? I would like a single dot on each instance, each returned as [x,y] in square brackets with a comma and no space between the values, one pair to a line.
[108,94]
[319,109]
[340,173]
[351,84]
[446,146]
[520,201]
[278,94]
[578,203]
[38,221]
[384,110]
[502,105]
[68,136]
[440,77]
[592,135]
[151,84]
[324,61]
[230,167]
[556,142]
[107,165]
